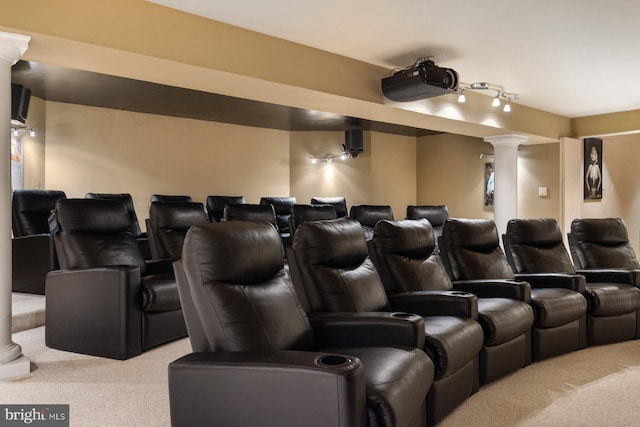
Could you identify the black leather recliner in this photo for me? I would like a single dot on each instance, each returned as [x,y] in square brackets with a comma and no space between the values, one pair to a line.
[302,213]
[369,215]
[435,214]
[282,209]
[216,204]
[602,253]
[250,212]
[259,360]
[33,252]
[339,203]
[143,239]
[106,300]
[338,276]
[472,257]
[536,254]
[168,225]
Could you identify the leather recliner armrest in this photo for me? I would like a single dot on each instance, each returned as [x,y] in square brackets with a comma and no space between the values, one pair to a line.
[437,303]
[285,388]
[575,282]
[366,329]
[630,277]
[95,311]
[496,288]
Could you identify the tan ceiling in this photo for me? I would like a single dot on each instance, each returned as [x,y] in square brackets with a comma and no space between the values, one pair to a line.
[569,57]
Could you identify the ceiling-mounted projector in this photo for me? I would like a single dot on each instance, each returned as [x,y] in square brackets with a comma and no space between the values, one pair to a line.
[422,80]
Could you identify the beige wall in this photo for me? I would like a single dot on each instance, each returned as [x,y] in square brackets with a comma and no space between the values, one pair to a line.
[450,172]
[539,166]
[33,147]
[393,172]
[100,150]
[384,173]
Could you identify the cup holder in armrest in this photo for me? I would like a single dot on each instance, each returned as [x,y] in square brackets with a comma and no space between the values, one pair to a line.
[461,293]
[333,360]
[403,315]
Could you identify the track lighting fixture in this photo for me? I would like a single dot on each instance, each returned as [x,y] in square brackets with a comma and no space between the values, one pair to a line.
[501,94]
[329,158]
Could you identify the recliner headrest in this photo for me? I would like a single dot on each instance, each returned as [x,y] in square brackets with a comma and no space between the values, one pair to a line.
[436,215]
[339,203]
[369,215]
[336,243]
[543,232]
[31,209]
[603,231]
[473,234]
[281,205]
[98,216]
[249,212]
[410,238]
[177,215]
[170,198]
[215,248]
[301,213]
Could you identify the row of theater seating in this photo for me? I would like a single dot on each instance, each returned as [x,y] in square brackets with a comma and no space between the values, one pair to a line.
[34,252]
[480,320]
[249,321]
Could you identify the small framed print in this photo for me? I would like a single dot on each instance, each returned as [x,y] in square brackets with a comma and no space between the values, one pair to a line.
[592,168]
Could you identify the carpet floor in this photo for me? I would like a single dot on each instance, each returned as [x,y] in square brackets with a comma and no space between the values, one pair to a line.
[597,386]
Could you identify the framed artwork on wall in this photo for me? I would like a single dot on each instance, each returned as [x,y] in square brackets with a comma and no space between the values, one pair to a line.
[488,184]
[17,165]
[592,168]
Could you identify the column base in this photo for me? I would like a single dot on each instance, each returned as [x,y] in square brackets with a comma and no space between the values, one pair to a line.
[16,368]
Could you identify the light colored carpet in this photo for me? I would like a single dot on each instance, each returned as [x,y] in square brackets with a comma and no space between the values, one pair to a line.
[100,392]
[27,311]
[597,386]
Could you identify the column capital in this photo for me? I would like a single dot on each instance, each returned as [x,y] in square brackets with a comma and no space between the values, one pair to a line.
[507,139]
[13,46]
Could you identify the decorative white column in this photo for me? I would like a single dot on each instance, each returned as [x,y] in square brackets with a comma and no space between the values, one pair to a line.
[12,362]
[505,167]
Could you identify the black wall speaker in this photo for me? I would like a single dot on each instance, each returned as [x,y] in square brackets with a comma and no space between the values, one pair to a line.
[20,97]
[353,141]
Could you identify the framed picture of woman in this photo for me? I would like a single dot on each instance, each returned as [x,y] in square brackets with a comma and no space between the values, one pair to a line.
[592,168]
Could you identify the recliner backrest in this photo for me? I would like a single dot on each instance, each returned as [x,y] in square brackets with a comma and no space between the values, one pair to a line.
[31,210]
[95,233]
[282,209]
[404,254]
[602,243]
[536,246]
[337,272]
[472,249]
[302,213]
[250,212]
[170,198]
[369,215]
[216,204]
[245,303]
[338,203]
[435,214]
[169,222]
[128,202]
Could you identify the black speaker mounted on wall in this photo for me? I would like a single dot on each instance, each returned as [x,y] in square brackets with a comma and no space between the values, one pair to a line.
[353,141]
[20,97]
